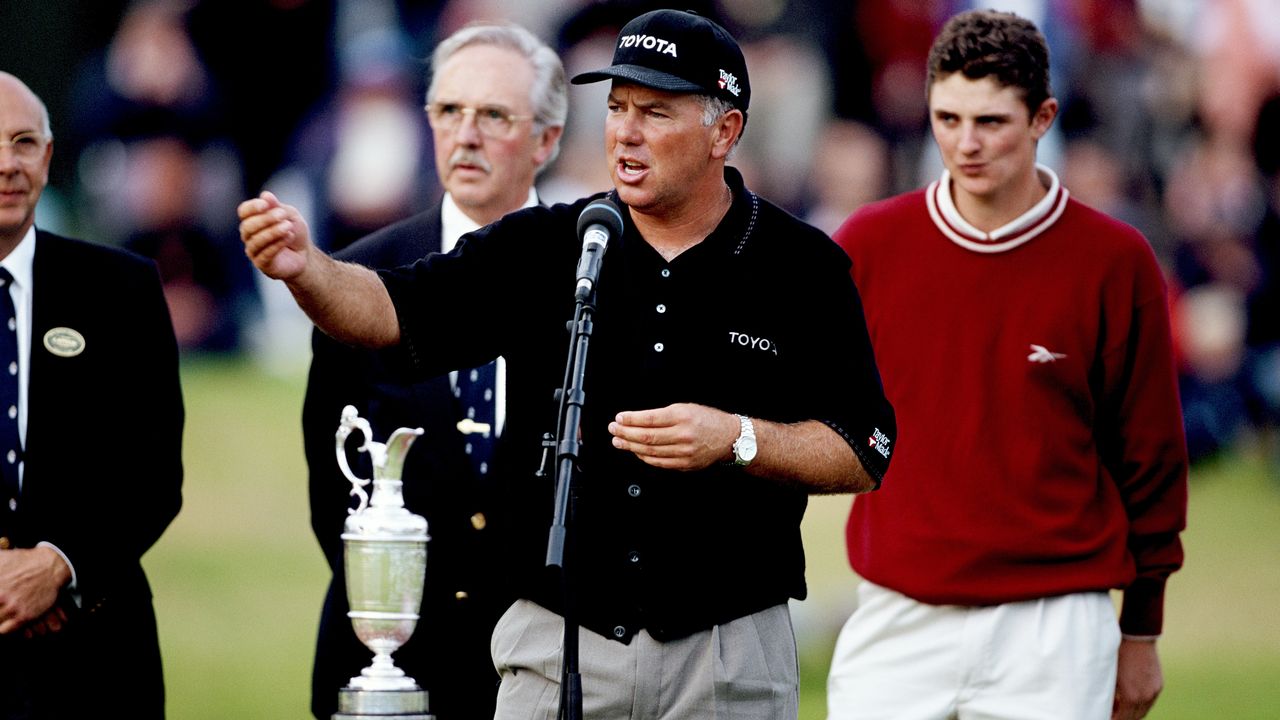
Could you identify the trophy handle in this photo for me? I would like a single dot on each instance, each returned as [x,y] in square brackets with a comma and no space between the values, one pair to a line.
[351,420]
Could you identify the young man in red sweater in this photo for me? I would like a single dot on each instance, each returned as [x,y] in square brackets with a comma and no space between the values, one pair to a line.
[1024,342]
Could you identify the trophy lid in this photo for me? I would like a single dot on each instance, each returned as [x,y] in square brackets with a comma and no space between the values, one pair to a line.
[385,523]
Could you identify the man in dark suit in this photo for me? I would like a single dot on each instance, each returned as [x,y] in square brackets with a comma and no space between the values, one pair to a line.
[90,450]
[497,105]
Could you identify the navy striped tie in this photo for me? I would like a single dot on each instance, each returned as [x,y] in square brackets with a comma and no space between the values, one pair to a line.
[479,424]
[10,443]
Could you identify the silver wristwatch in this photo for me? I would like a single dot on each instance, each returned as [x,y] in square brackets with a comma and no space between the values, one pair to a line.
[744,448]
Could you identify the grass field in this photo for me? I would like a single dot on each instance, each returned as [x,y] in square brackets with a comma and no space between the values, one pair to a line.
[238,578]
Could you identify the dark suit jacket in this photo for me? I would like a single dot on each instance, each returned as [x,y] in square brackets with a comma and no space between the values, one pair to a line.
[102,478]
[464,594]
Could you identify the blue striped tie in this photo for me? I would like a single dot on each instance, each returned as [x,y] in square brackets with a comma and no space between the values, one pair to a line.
[10,444]
[479,425]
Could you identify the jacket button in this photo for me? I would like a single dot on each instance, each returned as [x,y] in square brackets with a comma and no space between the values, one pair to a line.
[619,632]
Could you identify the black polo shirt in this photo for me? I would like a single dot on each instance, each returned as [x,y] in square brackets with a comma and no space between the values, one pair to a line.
[760,318]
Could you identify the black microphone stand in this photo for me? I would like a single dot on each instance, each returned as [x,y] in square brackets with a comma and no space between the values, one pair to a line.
[567,444]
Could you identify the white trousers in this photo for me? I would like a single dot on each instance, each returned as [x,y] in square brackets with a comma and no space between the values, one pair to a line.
[1050,659]
[742,670]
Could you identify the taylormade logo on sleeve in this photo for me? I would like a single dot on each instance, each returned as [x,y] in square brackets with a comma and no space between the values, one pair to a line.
[880,442]
[648,42]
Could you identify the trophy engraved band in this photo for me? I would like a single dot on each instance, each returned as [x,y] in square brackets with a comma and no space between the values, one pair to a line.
[385,558]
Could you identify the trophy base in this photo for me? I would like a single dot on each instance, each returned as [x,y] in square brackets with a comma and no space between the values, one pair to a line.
[355,704]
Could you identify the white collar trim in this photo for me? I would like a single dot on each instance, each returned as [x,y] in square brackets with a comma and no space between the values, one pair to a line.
[21,260]
[1022,229]
[455,223]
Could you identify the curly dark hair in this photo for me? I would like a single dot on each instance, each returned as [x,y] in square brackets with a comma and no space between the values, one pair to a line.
[988,43]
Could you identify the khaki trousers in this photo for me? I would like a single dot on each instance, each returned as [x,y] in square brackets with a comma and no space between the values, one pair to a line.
[745,670]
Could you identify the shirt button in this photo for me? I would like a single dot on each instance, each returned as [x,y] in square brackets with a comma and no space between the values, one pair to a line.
[13,503]
[666,272]
[619,632]
[634,491]
[657,347]
[12,457]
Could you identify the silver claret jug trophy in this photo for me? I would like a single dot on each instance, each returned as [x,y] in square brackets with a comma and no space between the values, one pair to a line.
[385,556]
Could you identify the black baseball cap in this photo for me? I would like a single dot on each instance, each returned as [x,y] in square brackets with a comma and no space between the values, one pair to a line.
[678,51]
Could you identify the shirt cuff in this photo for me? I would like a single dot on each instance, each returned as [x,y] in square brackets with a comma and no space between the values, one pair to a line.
[875,460]
[71,586]
[1142,612]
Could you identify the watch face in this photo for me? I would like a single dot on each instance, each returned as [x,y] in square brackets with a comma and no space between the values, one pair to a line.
[745,449]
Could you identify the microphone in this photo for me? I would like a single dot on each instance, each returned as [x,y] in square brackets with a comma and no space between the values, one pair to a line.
[599,221]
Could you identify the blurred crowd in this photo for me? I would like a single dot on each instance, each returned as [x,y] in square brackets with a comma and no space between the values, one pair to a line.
[167,113]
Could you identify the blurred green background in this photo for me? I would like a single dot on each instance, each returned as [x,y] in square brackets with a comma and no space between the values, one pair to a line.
[238,578]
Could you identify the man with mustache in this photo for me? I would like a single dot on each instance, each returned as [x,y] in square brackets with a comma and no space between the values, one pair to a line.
[496,103]
[729,377]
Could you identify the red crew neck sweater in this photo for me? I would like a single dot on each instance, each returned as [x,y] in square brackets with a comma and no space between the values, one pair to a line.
[1040,449]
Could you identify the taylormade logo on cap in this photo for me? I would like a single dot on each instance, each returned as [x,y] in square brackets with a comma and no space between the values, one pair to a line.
[648,42]
[729,81]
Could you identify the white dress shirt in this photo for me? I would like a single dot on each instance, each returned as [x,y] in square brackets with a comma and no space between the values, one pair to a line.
[454,224]
[20,264]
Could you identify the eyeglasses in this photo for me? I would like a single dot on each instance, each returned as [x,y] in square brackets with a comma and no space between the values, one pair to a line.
[491,120]
[27,146]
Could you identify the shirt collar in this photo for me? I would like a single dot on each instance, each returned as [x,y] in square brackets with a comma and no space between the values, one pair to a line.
[19,261]
[1034,221]
[731,235]
[734,232]
[454,223]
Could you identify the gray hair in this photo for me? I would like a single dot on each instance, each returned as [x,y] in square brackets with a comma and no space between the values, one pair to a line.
[713,108]
[550,92]
[45,126]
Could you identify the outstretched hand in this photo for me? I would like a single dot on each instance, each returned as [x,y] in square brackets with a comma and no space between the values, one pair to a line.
[275,236]
[683,436]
